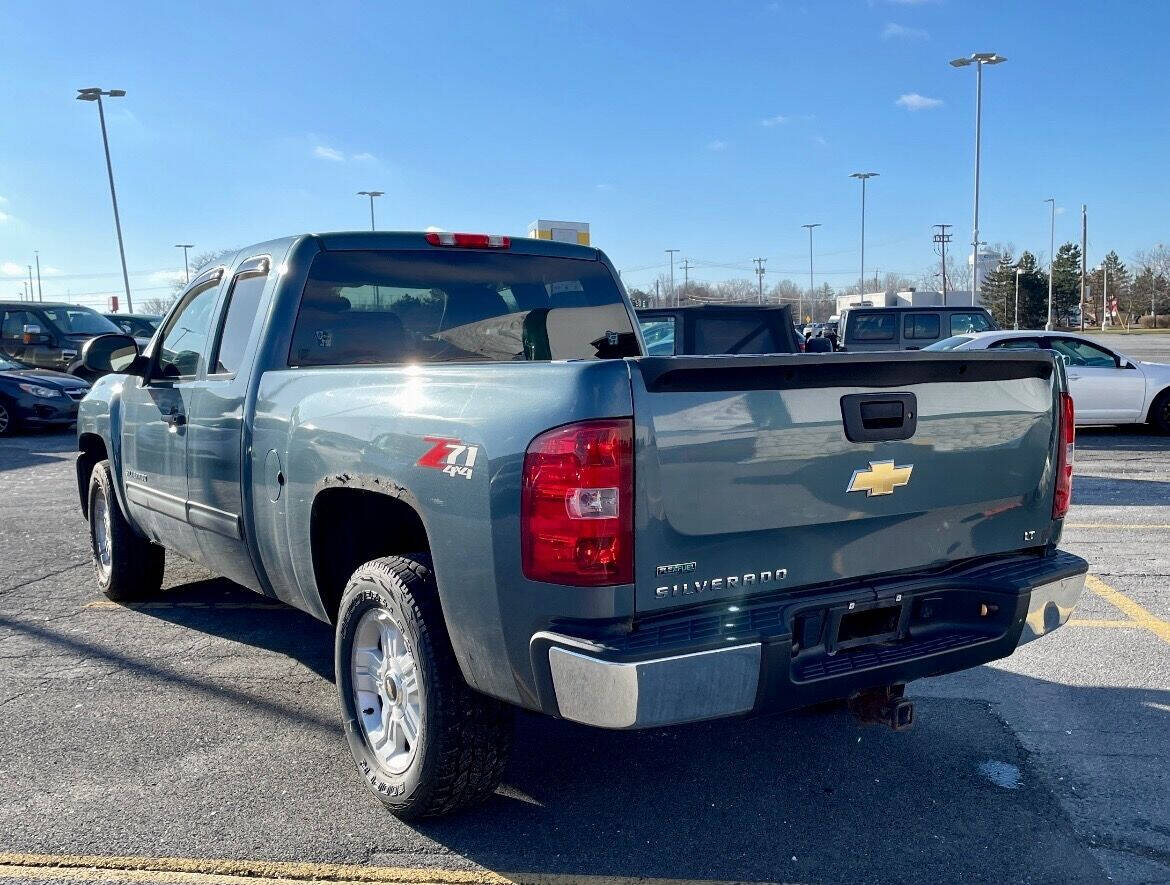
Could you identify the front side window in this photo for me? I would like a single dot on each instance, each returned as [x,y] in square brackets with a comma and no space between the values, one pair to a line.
[12,326]
[1081,353]
[969,323]
[377,307]
[243,302]
[658,333]
[184,343]
[921,326]
[871,327]
[80,321]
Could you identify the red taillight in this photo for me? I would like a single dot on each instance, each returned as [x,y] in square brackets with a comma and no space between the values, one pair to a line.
[1064,458]
[577,505]
[469,241]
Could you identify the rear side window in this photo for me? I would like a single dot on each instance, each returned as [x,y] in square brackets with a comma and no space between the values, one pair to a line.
[967,323]
[371,307]
[735,334]
[921,326]
[1015,344]
[871,327]
[243,301]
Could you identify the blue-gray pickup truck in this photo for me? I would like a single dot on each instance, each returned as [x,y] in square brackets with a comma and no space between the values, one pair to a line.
[453,448]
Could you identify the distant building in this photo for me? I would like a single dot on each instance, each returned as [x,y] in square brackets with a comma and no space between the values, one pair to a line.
[988,261]
[904,298]
[560,231]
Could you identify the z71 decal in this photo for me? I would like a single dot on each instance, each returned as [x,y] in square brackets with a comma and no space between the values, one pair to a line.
[453,457]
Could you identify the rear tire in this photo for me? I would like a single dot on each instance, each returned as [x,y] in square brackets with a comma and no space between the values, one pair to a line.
[425,743]
[128,567]
[1160,413]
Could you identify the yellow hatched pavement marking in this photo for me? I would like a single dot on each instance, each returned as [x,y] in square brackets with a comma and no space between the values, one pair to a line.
[199,871]
[1140,615]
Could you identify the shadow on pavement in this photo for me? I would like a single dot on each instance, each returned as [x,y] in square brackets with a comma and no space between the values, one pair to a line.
[1096,490]
[31,448]
[1122,438]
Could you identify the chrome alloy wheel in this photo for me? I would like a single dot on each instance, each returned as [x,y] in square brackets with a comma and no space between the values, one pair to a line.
[101,535]
[386,690]
[4,420]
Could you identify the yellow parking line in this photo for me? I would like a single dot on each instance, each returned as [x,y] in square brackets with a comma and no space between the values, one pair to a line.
[199,871]
[1100,622]
[1143,618]
[1114,525]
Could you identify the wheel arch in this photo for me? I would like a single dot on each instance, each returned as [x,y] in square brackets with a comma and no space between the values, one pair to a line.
[349,526]
[91,449]
[1156,402]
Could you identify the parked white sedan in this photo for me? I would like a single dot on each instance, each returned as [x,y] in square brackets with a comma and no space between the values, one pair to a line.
[1107,387]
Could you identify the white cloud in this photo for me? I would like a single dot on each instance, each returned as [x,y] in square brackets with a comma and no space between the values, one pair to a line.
[327,153]
[4,216]
[3,200]
[167,277]
[900,32]
[912,101]
[48,270]
[1060,210]
[603,187]
[12,269]
[717,145]
[778,120]
[364,157]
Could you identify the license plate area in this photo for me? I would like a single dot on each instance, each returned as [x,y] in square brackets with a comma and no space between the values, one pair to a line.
[866,624]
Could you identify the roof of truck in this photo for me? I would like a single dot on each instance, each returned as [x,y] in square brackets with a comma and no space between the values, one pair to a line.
[341,240]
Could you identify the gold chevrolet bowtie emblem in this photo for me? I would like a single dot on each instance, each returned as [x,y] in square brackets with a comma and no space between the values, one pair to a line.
[881,478]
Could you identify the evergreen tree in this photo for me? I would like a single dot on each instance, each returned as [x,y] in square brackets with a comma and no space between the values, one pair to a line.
[1066,283]
[1033,293]
[999,291]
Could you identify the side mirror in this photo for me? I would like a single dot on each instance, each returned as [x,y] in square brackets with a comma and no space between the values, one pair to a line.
[112,353]
[34,334]
[1125,362]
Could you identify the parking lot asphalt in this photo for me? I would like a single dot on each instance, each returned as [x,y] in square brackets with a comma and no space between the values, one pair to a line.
[195,739]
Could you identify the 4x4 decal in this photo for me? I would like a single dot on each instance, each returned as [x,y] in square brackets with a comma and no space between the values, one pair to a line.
[452,456]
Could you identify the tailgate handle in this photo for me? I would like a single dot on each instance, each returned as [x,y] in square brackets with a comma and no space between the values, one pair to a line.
[879,417]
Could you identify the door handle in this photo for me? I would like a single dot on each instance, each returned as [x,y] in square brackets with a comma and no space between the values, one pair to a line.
[1072,377]
[175,419]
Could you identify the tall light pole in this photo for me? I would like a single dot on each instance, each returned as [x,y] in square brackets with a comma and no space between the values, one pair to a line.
[811,286]
[1104,293]
[40,293]
[93,93]
[673,293]
[979,59]
[1016,322]
[186,266]
[1051,258]
[371,195]
[861,280]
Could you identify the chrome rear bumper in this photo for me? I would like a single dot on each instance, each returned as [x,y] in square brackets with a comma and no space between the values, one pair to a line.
[1050,606]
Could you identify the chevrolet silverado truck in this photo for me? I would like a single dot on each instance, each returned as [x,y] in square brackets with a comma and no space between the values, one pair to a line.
[453,448]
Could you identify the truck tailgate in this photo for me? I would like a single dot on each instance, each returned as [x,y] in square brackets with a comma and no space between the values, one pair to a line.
[749,481]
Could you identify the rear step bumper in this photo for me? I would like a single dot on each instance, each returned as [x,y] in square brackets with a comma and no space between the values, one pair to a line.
[804,649]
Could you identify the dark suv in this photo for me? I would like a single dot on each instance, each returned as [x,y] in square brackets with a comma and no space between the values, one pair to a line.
[908,328]
[49,335]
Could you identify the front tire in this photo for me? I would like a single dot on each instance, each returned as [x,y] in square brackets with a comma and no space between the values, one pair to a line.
[1160,413]
[7,419]
[425,743]
[128,566]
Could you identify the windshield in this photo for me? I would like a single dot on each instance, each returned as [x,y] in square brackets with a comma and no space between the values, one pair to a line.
[80,321]
[7,365]
[949,343]
[371,307]
[658,334]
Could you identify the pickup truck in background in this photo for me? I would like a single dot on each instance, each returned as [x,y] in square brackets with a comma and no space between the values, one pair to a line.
[453,448]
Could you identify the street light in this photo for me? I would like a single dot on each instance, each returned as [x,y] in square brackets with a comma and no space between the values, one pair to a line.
[1104,294]
[186,266]
[1051,259]
[861,281]
[1016,323]
[371,195]
[93,93]
[811,287]
[673,291]
[979,59]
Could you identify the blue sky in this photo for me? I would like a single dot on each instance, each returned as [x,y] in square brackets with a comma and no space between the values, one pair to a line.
[715,128]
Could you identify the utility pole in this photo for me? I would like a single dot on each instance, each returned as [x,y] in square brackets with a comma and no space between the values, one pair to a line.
[673,291]
[40,293]
[942,238]
[1104,293]
[812,289]
[1084,247]
[1016,321]
[686,266]
[760,262]
[30,285]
